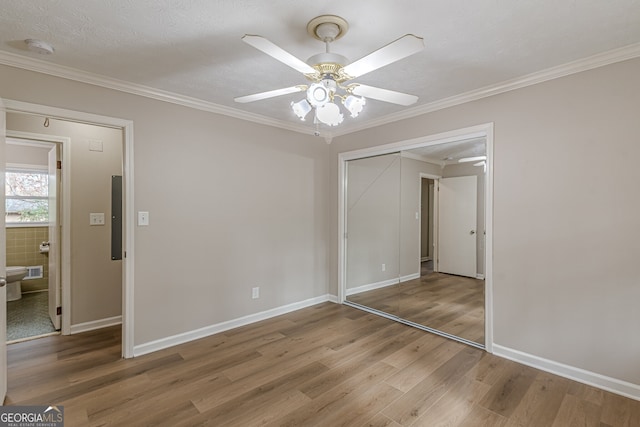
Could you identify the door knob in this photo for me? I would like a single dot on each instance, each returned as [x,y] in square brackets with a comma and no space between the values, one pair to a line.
[3,282]
[472,232]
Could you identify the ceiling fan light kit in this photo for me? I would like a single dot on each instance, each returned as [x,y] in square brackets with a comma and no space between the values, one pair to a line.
[327,72]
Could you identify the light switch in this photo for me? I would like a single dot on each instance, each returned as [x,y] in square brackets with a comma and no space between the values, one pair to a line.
[95,145]
[143,218]
[96,219]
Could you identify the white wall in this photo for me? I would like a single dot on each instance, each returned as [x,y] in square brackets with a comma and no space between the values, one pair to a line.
[232,204]
[566,283]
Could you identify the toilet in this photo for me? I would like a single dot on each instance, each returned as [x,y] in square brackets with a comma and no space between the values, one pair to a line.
[14,275]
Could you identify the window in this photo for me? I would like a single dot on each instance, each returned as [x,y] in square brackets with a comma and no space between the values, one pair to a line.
[27,196]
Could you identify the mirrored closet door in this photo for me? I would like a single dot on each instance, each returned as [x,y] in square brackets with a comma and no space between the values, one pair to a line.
[373,234]
[414,223]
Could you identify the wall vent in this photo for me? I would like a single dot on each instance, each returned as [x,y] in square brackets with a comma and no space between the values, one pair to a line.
[34,272]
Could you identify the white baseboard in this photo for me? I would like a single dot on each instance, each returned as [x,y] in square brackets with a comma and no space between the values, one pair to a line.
[95,324]
[372,286]
[410,277]
[383,284]
[139,350]
[480,276]
[613,385]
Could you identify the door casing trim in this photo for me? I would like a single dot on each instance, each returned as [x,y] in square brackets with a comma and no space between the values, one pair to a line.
[128,261]
[483,130]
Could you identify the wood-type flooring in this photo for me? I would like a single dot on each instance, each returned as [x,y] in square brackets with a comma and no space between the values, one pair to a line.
[448,303]
[326,365]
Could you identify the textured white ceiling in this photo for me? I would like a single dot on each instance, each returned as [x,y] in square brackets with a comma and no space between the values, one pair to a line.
[193,47]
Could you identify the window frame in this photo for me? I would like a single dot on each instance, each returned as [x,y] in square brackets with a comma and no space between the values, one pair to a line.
[26,168]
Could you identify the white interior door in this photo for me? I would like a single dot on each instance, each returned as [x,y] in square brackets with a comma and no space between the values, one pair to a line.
[457,221]
[54,237]
[3,263]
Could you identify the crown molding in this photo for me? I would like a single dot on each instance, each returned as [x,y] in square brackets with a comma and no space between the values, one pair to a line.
[599,60]
[40,66]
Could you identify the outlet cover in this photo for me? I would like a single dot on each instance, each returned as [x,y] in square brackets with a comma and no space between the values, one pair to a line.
[96,219]
[255,292]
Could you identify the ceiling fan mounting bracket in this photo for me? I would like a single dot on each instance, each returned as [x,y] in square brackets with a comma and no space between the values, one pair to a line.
[327,27]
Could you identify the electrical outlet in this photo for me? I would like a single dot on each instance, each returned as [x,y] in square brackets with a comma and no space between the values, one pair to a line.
[255,292]
[384,267]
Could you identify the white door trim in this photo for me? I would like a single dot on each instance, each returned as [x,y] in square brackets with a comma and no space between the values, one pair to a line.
[483,130]
[128,258]
[434,209]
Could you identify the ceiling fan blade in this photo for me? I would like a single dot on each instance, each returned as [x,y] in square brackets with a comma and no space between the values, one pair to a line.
[405,46]
[278,53]
[384,94]
[270,94]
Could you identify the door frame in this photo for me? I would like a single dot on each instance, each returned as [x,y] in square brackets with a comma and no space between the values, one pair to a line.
[478,131]
[64,263]
[434,208]
[12,106]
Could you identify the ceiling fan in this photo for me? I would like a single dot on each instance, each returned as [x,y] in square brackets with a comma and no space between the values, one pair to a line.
[330,74]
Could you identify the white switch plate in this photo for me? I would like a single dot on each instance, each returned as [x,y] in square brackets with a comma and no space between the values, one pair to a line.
[143,218]
[96,219]
[255,292]
[95,145]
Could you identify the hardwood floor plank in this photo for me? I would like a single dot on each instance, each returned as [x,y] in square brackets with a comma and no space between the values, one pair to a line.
[506,394]
[452,304]
[616,410]
[326,365]
[365,345]
[454,405]
[380,420]
[482,417]
[355,365]
[576,412]
[336,399]
[411,375]
[251,404]
[421,347]
[420,398]
[541,402]
[361,404]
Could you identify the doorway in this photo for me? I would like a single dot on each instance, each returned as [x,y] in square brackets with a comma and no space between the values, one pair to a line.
[33,214]
[125,130]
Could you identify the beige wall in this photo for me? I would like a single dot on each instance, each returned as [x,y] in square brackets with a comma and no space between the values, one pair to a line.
[373,220]
[232,204]
[96,280]
[27,155]
[565,231]
[383,197]
[409,224]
